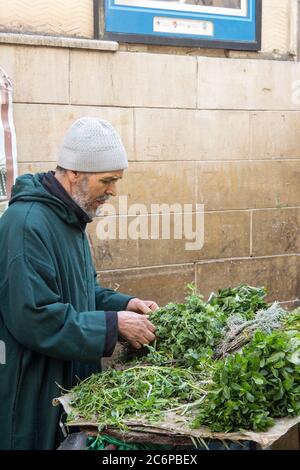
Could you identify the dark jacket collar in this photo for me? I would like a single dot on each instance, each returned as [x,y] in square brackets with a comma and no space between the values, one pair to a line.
[54,187]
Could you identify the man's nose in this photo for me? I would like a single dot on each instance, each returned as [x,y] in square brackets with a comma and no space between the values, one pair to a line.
[111,190]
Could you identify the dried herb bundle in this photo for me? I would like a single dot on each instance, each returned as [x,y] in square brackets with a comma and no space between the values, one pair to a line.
[239,331]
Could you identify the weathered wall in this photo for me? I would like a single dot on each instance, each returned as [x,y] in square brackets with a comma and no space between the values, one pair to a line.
[74,18]
[55,17]
[218,131]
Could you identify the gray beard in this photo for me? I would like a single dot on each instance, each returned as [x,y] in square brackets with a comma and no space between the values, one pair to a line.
[80,196]
[84,204]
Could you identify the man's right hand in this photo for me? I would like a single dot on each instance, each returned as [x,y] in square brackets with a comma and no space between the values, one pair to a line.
[136,328]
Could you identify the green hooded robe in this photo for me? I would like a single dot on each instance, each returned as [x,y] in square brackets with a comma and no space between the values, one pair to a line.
[52,316]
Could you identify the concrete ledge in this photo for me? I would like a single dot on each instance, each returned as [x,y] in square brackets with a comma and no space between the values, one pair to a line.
[98,45]
[53,41]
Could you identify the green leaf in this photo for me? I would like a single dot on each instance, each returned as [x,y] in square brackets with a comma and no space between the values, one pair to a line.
[250,397]
[258,380]
[294,358]
[275,357]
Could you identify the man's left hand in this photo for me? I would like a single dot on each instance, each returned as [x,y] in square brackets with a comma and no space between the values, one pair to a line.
[141,306]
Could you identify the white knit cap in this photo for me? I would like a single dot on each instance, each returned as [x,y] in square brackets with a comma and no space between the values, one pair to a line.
[92,145]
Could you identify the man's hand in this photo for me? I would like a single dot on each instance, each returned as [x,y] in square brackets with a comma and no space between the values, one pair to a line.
[141,306]
[136,328]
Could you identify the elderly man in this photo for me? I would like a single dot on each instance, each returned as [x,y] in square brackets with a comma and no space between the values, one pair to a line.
[55,320]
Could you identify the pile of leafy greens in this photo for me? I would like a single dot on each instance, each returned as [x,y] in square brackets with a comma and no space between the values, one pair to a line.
[243,300]
[115,396]
[242,390]
[193,331]
[187,333]
[253,387]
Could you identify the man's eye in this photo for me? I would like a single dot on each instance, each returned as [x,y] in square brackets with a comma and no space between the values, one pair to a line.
[108,181]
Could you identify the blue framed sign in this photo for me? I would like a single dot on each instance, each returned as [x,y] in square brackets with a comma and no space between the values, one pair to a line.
[232,24]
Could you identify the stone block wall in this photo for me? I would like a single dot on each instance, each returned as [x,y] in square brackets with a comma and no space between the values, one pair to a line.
[72,18]
[218,131]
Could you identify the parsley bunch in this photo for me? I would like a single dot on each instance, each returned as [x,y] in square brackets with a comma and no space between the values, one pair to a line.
[188,332]
[243,300]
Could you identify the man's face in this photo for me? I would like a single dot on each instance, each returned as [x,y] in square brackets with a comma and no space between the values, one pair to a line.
[90,191]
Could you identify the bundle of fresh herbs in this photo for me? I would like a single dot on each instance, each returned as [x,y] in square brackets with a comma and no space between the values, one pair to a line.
[253,387]
[197,330]
[243,300]
[114,396]
[246,390]
[187,332]
[292,320]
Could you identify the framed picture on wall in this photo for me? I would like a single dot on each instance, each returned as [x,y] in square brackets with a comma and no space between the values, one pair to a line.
[232,24]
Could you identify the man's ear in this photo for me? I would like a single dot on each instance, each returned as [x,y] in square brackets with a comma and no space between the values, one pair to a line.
[72,176]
